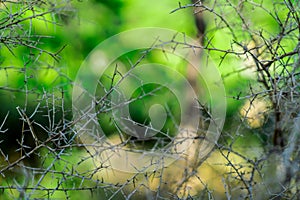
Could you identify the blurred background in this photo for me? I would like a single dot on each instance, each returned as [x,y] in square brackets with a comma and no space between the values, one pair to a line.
[253,44]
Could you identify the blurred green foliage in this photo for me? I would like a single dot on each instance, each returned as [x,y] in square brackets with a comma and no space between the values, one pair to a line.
[26,74]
